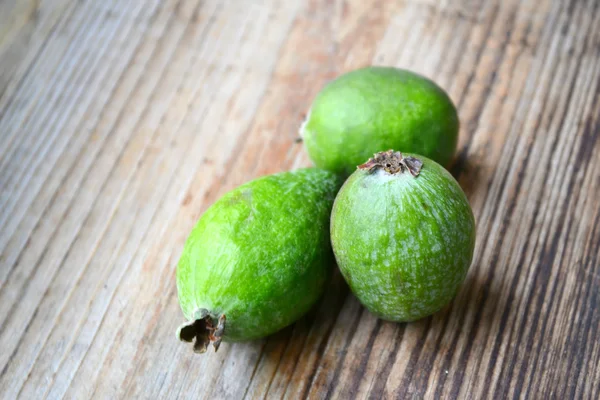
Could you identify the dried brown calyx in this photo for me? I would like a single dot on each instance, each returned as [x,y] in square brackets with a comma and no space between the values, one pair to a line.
[203,330]
[393,162]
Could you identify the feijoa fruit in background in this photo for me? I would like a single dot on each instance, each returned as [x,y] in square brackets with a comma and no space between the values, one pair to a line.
[377,108]
[403,235]
[257,259]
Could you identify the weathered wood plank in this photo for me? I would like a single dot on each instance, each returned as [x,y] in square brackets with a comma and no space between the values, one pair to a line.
[121,122]
[25,27]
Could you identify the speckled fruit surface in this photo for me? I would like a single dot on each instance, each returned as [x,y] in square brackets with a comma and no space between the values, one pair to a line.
[378,108]
[258,258]
[404,243]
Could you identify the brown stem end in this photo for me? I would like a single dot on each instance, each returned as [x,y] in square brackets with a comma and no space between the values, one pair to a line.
[393,163]
[202,331]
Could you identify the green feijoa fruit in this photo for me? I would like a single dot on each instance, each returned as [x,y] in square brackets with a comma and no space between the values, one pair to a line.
[257,259]
[377,108]
[403,235]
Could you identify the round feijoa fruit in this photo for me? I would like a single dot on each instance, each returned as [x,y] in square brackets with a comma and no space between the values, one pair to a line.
[257,259]
[403,235]
[377,108]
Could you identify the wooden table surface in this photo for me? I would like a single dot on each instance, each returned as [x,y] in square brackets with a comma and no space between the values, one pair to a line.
[122,121]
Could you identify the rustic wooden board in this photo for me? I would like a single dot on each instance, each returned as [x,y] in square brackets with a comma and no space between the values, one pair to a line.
[121,121]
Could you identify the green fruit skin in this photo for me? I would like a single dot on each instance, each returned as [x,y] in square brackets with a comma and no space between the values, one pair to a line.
[261,254]
[375,109]
[404,244]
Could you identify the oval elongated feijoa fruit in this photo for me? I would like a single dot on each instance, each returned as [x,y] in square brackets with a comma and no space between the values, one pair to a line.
[403,235]
[257,259]
[377,108]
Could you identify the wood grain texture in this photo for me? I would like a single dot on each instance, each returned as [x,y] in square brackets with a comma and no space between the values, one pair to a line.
[121,122]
